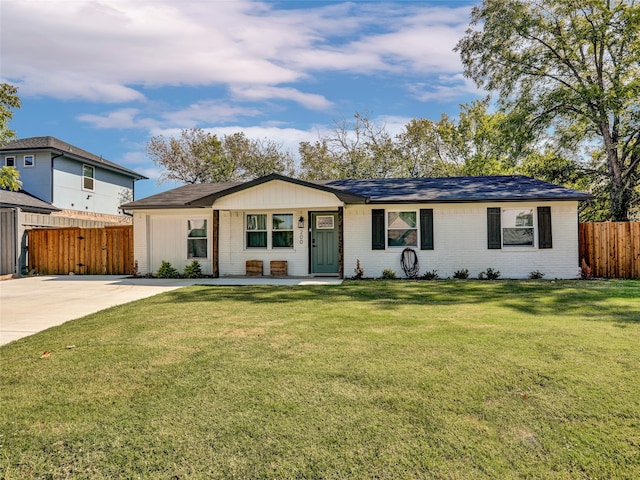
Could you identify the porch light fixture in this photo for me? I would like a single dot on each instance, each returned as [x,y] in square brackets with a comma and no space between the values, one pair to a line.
[301,222]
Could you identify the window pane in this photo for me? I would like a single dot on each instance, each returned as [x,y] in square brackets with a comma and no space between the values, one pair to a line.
[197,248]
[256,222]
[256,239]
[402,238]
[517,218]
[283,221]
[10,162]
[87,171]
[402,220]
[282,239]
[197,228]
[517,236]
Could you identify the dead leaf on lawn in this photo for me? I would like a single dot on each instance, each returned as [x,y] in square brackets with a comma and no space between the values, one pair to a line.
[69,347]
[45,354]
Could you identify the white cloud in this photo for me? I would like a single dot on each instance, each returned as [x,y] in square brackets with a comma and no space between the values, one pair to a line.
[311,101]
[446,89]
[124,118]
[207,112]
[109,50]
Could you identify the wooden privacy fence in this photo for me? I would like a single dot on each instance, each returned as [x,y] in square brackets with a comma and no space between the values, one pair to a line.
[611,249]
[88,251]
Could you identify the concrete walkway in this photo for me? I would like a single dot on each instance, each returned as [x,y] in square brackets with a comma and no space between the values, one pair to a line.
[31,304]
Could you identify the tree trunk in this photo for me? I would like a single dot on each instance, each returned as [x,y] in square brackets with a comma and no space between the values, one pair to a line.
[619,194]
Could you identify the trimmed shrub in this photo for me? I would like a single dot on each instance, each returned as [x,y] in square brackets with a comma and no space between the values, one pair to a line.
[193,270]
[432,275]
[536,275]
[167,270]
[489,274]
[388,274]
[461,274]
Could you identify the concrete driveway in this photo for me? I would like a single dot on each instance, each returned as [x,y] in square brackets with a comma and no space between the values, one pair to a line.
[31,304]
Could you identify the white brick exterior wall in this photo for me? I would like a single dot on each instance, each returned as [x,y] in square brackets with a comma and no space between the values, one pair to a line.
[460,241]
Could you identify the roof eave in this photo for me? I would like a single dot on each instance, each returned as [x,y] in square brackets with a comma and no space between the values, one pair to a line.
[484,200]
[342,195]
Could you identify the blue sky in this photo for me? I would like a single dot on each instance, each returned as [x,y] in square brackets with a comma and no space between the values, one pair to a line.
[107,75]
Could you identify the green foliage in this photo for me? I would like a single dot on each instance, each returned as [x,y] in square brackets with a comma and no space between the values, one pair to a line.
[167,270]
[384,379]
[193,270]
[461,274]
[201,157]
[388,274]
[10,179]
[432,275]
[570,68]
[489,274]
[536,275]
[9,101]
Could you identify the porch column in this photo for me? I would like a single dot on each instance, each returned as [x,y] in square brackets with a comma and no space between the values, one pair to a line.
[340,242]
[214,243]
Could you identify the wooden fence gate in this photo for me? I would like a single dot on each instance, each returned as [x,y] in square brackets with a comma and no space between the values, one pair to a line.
[611,249]
[83,251]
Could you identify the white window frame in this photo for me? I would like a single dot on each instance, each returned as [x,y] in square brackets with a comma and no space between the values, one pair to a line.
[247,231]
[269,231]
[416,228]
[281,230]
[93,178]
[205,237]
[33,161]
[532,228]
[6,161]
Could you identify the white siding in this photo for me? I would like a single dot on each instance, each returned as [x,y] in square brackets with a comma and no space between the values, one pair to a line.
[277,195]
[162,235]
[233,253]
[460,241]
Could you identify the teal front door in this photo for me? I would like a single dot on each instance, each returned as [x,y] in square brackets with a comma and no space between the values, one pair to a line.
[324,243]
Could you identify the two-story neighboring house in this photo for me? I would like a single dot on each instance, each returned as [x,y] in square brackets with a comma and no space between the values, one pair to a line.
[68,177]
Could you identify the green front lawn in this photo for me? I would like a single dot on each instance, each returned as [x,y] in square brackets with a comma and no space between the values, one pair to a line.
[372,379]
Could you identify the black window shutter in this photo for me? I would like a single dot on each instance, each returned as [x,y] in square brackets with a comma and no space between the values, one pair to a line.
[544,227]
[377,229]
[426,229]
[494,233]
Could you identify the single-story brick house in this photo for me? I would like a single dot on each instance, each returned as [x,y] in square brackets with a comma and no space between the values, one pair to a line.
[514,224]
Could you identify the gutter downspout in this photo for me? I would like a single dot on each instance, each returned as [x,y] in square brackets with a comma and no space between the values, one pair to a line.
[53,157]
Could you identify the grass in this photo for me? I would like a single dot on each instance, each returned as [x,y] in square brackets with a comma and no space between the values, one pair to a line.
[373,379]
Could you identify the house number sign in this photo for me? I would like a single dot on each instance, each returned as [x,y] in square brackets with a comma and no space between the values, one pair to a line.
[301,236]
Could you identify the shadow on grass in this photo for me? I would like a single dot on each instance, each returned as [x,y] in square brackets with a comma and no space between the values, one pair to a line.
[598,300]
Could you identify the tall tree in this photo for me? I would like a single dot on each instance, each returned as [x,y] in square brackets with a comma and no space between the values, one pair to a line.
[476,143]
[197,156]
[359,149]
[569,65]
[9,100]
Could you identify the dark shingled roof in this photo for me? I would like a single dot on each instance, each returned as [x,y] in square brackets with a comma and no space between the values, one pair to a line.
[25,201]
[456,189]
[43,143]
[382,190]
[180,197]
